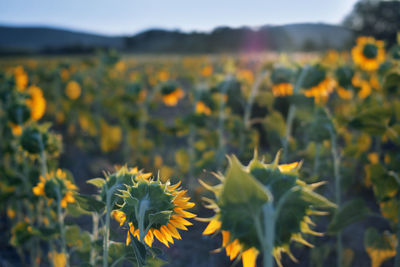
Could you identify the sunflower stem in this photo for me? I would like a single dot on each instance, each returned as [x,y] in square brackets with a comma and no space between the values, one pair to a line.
[288,133]
[60,216]
[397,258]
[221,120]
[247,111]
[142,212]
[106,236]
[95,234]
[336,169]
[269,229]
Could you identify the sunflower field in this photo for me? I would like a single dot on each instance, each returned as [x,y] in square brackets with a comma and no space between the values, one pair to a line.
[247,160]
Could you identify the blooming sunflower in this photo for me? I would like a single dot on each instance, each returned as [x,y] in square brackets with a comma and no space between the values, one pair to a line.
[36,102]
[53,182]
[171,94]
[153,209]
[368,53]
[21,78]
[317,84]
[202,108]
[239,203]
[281,82]
[73,90]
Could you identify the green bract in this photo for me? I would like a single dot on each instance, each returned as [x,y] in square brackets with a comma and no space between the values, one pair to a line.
[245,193]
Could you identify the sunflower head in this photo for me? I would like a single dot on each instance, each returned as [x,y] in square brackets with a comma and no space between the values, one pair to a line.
[368,53]
[317,84]
[281,79]
[34,139]
[240,199]
[54,185]
[152,208]
[171,94]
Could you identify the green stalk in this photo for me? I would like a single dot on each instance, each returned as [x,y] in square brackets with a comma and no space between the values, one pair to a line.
[249,105]
[221,121]
[397,258]
[288,133]
[60,217]
[269,228]
[336,169]
[107,229]
[144,204]
[292,113]
[316,159]
[95,234]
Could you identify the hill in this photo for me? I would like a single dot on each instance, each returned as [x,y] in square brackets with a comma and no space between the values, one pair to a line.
[292,37]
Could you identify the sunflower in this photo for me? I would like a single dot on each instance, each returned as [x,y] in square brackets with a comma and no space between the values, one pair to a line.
[53,181]
[368,53]
[73,90]
[281,82]
[154,207]
[202,108]
[36,102]
[21,78]
[282,89]
[172,98]
[239,202]
[318,84]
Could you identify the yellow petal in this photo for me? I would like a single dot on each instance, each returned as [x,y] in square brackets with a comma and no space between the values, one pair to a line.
[161,237]
[213,226]
[225,238]
[288,167]
[149,238]
[184,213]
[249,257]
[173,231]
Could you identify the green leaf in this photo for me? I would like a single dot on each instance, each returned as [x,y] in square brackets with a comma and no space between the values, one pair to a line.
[380,247]
[160,217]
[373,120]
[98,182]
[139,249]
[316,199]
[74,210]
[89,203]
[351,212]
[242,187]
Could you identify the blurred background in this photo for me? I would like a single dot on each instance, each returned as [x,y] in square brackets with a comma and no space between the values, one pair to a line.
[71,27]
[123,81]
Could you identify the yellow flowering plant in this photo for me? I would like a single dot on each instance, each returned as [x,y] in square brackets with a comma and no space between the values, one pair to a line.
[261,208]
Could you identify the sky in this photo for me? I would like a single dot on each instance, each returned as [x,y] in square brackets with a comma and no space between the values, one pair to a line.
[115,17]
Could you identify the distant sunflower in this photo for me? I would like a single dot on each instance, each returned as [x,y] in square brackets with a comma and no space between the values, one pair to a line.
[73,90]
[202,108]
[281,82]
[171,94]
[368,53]
[318,84]
[36,102]
[159,207]
[53,181]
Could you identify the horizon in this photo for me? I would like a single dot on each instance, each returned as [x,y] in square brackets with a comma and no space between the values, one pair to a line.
[127,18]
[157,28]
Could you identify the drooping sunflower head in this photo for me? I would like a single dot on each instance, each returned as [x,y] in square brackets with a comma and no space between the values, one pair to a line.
[152,208]
[73,90]
[281,79]
[368,53]
[317,84]
[344,76]
[171,94]
[240,199]
[56,185]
